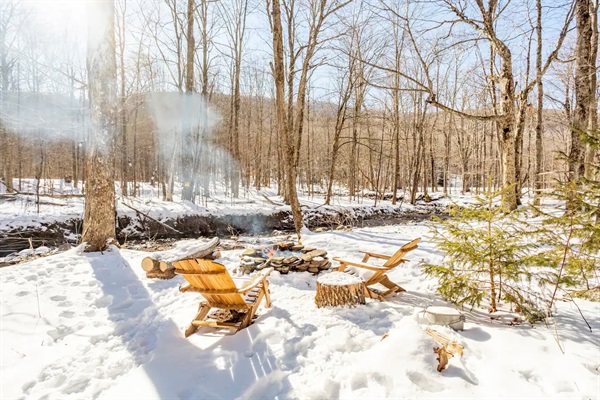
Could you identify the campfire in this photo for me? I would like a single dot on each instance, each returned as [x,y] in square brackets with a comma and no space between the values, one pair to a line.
[285,257]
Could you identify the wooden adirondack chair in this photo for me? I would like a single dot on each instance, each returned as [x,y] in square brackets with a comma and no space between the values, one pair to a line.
[213,282]
[373,274]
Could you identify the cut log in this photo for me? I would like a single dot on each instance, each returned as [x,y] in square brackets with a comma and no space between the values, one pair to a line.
[161,264]
[339,289]
[149,264]
[165,266]
[158,274]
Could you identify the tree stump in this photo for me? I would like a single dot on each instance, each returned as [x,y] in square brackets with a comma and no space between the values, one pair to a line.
[339,289]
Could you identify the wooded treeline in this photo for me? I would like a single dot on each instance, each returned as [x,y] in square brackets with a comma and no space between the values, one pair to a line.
[324,95]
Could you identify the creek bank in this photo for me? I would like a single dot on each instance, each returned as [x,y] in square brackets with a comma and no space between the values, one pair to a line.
[139,227]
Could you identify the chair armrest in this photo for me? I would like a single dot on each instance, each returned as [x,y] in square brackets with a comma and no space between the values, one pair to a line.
[358,264]
[258,278]
[376,255]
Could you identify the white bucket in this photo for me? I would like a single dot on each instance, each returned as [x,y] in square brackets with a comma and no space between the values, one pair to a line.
[439,315]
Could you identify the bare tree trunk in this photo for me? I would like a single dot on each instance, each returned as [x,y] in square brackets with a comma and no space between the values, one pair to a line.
[520,133]
[358,101]
[282,123]
[539,126]
[583,88]
[447,151]
[340,119]
[590,153]
[507,127]
[123,111]
[99,217]
[203,153]
[187,165]
[398,44]
[5,68]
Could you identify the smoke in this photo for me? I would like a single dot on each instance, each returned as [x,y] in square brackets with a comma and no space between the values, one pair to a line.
[177,115]
[51,117]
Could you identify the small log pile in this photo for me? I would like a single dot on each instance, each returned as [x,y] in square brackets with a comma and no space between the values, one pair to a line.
[285,257]
[160,264]
[339,289]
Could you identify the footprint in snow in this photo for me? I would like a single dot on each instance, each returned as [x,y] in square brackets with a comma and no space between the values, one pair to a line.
[104,301]
[77,385]
[60,332]
[22,293]
[58,298]
[67,314]
[424,383]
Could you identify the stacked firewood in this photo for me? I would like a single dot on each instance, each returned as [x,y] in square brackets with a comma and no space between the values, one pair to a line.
[160,264]
[285,257]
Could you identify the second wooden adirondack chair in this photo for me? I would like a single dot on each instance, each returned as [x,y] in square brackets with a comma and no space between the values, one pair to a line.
[373,274]
[213,282]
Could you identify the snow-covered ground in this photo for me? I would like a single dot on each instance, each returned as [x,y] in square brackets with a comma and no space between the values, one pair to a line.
[23,211]
[89,325]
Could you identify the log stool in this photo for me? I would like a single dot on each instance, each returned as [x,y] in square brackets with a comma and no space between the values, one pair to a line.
[339,289]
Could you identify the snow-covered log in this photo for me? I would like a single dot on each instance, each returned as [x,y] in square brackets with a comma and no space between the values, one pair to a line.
[162,261]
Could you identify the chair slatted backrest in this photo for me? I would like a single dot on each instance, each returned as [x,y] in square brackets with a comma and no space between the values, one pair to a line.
[211,279]
[396,259]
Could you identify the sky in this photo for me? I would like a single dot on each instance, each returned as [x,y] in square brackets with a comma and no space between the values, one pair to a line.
[57,18]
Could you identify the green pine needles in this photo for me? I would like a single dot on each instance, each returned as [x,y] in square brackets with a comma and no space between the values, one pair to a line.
[527,258]
[486,259]
[571,230]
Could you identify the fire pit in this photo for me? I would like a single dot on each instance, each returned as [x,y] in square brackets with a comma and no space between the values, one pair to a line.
[285,257]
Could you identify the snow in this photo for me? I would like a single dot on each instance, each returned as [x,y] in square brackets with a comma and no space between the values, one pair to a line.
[185,249]
[440,310]
[24,212]
[338,279]
[80,325]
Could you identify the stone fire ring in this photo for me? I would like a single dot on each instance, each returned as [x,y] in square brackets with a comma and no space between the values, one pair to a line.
[285,257]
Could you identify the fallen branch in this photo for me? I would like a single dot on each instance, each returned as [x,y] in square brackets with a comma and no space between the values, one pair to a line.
[448,350]
[270,201]
[152,219]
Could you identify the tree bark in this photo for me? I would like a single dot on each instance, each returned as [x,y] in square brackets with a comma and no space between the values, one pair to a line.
[99,216]
[583,88]
[590,152]
[539,126]
[282,123]
[187,192]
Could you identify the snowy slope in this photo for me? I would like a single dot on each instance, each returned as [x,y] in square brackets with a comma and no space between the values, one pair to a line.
[77,326]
